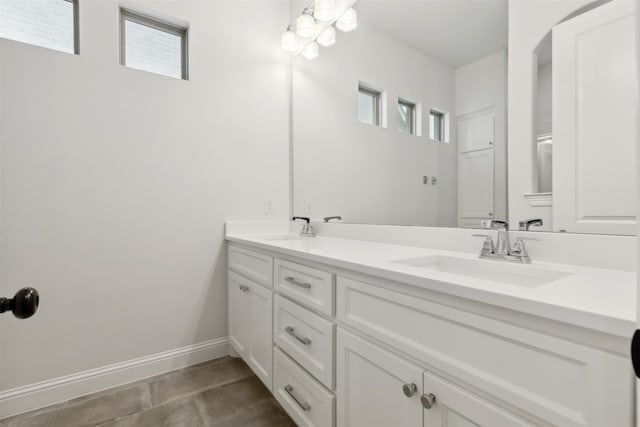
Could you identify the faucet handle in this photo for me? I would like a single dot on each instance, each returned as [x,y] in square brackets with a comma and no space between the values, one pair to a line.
[488,247]
[303,218]
[537,239]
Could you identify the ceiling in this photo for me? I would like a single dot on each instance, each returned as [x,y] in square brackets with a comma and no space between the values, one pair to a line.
[455,32]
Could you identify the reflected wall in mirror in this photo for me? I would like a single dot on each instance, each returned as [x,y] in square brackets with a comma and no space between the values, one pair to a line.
[403,121]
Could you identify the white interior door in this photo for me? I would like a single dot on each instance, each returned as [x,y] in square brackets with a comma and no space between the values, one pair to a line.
[475,187]
[476,131]
[594,121]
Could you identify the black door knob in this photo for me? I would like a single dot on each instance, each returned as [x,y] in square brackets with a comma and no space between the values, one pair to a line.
[23,305]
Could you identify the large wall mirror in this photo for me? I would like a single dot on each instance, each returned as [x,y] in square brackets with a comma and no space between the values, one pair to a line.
[403,121]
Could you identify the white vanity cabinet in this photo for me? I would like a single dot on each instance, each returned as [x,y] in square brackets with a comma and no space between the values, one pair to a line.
[378,389]
[354,350]
[250,315]
[371,385]
[455,406]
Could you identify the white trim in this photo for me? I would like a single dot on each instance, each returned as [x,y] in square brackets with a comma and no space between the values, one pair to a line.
[539,199]
[45,393]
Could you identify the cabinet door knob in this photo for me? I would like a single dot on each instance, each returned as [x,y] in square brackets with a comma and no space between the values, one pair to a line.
[409,389]
[428,400]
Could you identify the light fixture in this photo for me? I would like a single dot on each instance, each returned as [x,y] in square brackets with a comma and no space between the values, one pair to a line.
[314,26]
[348,21]
[327,37]
[291,41]
[306,25]
[310,51]
[324,10]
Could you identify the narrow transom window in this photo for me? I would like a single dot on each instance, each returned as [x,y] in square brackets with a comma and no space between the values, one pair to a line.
[46,23]
[406,117]
[152,45]
[368,105]
[436,125]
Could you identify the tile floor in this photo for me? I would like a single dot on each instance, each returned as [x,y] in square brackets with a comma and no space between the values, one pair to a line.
[222,392]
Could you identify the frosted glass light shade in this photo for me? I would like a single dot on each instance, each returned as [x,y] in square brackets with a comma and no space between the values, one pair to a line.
[305,26]
[291,41]
[327,37]
[311,51]
[348,21]
[324,10]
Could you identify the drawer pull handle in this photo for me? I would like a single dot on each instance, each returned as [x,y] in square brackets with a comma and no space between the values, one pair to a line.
[304,285]
[304,405]
[292,332]
[428,400]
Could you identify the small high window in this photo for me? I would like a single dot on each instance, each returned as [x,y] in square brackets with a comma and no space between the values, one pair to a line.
[46,23]
[406,117]
[152,45]
[369,105]
[436,125]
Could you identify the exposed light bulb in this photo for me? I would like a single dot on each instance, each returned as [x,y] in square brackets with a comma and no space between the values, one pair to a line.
[324,10]
[305,25]
[348,21]
[327,37]
[310,51]
[291,41]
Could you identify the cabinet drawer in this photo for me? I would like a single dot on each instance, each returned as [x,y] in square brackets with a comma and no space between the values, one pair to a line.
[312,287]
[254,265]
[306,337]
[304,399]
[559,381]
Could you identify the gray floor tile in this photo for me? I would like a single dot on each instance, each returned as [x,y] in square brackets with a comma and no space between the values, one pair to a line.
[182,383]
[232,399]
[178,413]
[91,411]
[6,422]
[223,392]
[267,414]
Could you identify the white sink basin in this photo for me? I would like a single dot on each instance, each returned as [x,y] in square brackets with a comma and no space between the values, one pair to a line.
[496,271]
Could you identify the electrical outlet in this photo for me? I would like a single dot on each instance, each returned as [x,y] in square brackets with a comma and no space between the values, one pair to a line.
[268,207]
[308,206]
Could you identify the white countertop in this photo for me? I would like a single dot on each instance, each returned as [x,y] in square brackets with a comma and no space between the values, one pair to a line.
[594,298]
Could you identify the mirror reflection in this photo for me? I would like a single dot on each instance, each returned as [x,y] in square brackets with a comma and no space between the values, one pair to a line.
[403,121]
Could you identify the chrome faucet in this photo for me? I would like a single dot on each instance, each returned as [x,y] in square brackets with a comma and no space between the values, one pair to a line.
[503,251]
[503,246]
[330,218]
[525,225]
[307,228]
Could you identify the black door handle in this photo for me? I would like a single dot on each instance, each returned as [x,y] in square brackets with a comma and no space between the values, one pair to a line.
[635,352]
[23,305]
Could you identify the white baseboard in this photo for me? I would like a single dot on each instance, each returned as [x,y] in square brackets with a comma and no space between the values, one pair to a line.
[45,393]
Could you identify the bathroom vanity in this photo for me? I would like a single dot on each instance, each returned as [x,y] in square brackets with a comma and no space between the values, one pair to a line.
[359,333]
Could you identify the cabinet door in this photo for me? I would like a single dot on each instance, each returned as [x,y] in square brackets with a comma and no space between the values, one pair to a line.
[475,186]
[476,132]
[370,384]
[239,321]
[456,407]
[594,121]
[260,352]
